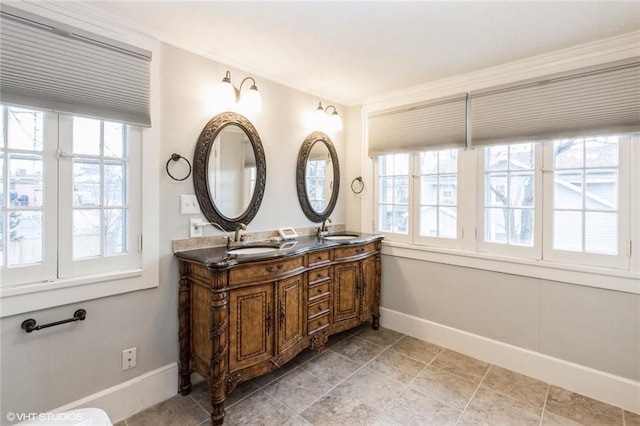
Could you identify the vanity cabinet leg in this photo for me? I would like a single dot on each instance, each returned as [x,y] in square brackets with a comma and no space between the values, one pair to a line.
[375,322]
[184,334]
[219,350]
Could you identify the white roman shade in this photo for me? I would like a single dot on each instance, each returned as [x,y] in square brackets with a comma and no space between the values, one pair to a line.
[593,101]
[48,65]
[436,124]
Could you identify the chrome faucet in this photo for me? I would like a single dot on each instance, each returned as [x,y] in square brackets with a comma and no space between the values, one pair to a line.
[323,228]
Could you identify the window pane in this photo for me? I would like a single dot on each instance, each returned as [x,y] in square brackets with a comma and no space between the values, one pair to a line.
[429,190]
[429,162]
[24,238]
[521,156]
[602,189]
[495,229]
[386,218]
[86,182]
[428,221]
[521,190]
[567,190]
[25,129]
[568,154]
[447,221]
[114,184]
[385,163]
[86,233]
[386,190]
[86,136]
[114,226]
[448,190]
[402,190]
[601,233]
[521,227]
[401,164]
[113,140]
[2,205]
[567,230]
[448,161]
[496,158]
[1,238]
[1,130]
[602,152]
[25,180]
[401,219]
[497,189]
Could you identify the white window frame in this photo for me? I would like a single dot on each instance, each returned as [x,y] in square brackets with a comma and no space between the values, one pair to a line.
[533,252]
[417,187]
[618,261]
[88,284]
[414,186]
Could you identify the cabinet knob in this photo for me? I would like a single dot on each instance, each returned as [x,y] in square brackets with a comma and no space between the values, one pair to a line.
[319,275]
[319,290]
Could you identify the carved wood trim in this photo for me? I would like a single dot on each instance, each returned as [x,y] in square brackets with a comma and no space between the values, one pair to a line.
[319,340]
[200,169]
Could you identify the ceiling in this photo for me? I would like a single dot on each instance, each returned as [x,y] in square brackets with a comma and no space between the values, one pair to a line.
[348,51]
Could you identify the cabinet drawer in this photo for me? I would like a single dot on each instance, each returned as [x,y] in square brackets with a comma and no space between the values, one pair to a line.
[352,251]
[321,274]
[319,257]
[319,308]
[318,291]
[318,324]
[262,270]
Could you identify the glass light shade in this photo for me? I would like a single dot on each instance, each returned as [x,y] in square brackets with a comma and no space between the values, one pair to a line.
[320,117]
[335,122]
[227,94]
[250,100]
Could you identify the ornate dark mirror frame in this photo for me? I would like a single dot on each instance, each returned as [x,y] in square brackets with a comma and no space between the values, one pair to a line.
[200,170]
[301,169]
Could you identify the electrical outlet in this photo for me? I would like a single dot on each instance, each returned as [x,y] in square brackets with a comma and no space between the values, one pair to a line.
[189,204]
[194,230]
[129,358]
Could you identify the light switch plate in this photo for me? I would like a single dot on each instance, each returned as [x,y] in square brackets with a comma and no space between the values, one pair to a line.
[189,204]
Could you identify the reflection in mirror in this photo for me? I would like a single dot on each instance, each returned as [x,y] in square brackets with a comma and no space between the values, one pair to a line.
[229,170]
[317,177]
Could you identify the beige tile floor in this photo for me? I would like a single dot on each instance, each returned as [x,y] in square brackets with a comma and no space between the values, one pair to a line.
[367,377]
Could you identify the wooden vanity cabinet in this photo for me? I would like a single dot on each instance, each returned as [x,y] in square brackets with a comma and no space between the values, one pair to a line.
[240,321]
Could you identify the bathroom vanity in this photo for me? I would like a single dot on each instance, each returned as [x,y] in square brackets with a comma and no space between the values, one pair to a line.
[241,316]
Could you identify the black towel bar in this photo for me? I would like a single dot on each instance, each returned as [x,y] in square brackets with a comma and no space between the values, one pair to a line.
[29,325]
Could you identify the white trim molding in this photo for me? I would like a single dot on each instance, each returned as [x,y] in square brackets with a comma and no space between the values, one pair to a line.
[128,398]
[614,390]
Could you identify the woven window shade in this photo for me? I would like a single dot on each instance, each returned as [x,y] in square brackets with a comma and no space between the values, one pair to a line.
[47,65]
[437,124]
[595,101]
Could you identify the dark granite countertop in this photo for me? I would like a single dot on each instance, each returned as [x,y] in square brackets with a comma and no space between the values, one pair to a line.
[217,257]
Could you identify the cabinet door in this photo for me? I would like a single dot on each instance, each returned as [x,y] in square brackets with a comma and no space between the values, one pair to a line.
[291,318]
[251,326]
[370,284]
[346,299]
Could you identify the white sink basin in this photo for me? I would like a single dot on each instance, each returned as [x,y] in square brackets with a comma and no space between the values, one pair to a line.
[252,250]
[341,237]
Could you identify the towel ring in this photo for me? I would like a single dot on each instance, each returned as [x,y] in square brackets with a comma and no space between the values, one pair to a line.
[177,157]
[357,185]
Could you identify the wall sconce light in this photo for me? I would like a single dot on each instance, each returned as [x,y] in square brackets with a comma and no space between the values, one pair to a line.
[249,101]
[333,121]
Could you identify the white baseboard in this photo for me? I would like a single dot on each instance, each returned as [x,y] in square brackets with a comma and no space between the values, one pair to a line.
[132,396]
[614,390]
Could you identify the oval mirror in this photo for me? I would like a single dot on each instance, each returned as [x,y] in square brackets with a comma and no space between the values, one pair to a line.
[318,176]
[229,170]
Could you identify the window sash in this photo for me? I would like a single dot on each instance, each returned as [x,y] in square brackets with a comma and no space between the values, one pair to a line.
[58,260]
[621,260]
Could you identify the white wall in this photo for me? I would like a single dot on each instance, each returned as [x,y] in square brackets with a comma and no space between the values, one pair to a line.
[50,368]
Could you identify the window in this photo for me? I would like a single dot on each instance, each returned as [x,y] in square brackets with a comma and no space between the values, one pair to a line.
[69,200]
[587,206]
[559,201]
[508,211]
[423,209]
[393,193]
[438,213]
